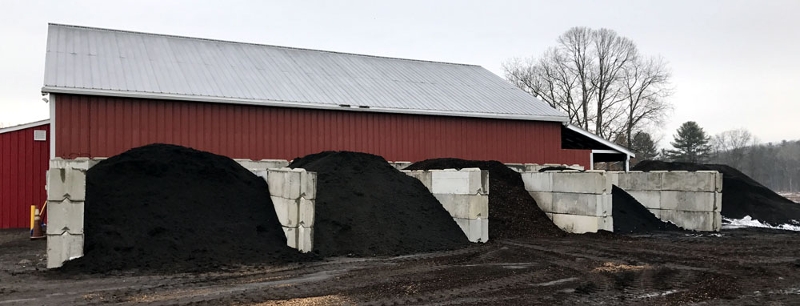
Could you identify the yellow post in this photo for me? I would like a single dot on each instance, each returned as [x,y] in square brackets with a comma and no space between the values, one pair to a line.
[33,212]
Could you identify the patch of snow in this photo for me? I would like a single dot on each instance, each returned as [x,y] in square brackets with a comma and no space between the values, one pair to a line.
[747,221]
[657,294]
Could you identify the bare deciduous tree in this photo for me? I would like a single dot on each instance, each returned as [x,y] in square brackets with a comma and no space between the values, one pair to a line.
[645,86]
[591,75]
[730,147]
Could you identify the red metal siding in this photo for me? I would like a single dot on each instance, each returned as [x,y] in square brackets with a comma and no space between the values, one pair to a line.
[90,126]
[23,163]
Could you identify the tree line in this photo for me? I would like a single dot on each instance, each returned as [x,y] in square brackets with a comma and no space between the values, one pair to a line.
[776,165]
[606,86]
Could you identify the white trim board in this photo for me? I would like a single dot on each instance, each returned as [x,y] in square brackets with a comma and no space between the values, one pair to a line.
[23,126]
[616,148]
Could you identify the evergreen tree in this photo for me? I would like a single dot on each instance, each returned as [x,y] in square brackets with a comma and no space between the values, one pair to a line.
[644,146]
[691,144]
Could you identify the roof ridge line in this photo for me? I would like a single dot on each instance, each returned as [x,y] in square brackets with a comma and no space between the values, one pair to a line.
[256,44]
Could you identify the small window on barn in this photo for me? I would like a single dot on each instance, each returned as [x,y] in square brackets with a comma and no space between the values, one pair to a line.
[39,135]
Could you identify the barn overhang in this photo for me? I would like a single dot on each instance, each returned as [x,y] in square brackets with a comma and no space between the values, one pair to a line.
[573,137]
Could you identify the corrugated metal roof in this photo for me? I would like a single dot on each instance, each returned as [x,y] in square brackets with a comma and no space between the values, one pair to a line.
[122,63]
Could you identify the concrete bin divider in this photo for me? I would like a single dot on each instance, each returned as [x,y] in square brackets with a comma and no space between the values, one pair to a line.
[688,181]
[687,200]
[538,181]
[400,165]
[691,200]
[66,193]
[581,182]
[695,220]
[288,211]
[464,181]
[579,224]
[576,202]
[293,194]
[68,217]
[425,177]
[262,165]
[63,247]
[464,194]
[649,199]
[464,206]
[598,205]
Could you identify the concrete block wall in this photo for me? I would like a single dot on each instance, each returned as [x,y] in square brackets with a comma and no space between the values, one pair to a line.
[262,165]
[293,193]
[519,167]
[577,202]
[691,200]
[464,194]
[400,165]
[66,193]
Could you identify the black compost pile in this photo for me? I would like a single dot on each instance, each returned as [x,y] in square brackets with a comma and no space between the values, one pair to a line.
[366,207]
[513,213]
[630,216]
[741,195]
[168,208]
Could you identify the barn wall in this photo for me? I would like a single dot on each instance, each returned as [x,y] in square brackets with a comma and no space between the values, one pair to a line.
[93,126]
[23,163]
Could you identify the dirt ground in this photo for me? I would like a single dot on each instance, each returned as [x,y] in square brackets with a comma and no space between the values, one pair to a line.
[734,267]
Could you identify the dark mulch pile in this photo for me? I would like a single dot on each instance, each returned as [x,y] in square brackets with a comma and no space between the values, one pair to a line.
[366,207]
[168,208]
[512,211]
[741,195]
[630,216]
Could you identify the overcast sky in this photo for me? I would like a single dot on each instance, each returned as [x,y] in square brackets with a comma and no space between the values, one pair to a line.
[735,63]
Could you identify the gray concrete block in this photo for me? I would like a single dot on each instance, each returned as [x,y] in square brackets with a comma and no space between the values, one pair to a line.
[65,217]
[306,212]
[613,177]
[687,200]
[544,199]
[291,236]
[718,184]
[293,184]
[308,185]
[692,220]
[287,210]
[80,163]
[718,201]
[532,167]
[581,182]
[538,181]
[516,167]
[582,204]
[274,163]
[582,224]
[275,180]
[650,199]
[400,165]
[639,181]
[465,206]
[476,230]
[688,181]
[424,177]
[305,239]
[63,247]
[66,183]
[656,212]
[261,165]
[484,182]
[464,181]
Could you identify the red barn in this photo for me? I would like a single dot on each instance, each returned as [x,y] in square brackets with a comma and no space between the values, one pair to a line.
[113,90]
[24,155]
